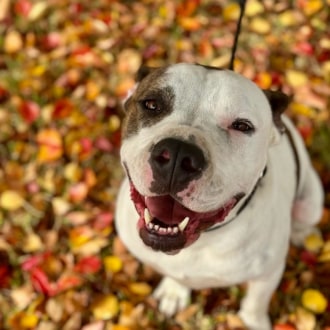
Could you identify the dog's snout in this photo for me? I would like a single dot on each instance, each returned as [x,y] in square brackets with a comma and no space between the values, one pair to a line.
[175,163]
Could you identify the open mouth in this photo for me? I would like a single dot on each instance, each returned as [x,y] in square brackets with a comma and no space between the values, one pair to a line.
[168,226]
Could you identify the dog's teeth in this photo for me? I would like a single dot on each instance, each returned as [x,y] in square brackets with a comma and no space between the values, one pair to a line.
[162,230]
[147,216]
[183,224]
[156,227]
[169,230]
[150,225]
[175,230]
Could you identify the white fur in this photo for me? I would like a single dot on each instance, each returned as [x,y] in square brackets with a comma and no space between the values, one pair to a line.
[252,248]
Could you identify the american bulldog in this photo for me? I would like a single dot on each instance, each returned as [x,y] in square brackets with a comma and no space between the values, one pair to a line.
[218,182]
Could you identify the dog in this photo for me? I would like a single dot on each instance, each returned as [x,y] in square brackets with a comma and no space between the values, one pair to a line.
[218,181]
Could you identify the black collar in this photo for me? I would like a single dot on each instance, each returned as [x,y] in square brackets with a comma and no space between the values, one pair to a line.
[244,205]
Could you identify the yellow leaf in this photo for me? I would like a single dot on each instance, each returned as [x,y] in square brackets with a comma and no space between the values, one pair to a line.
[106,308]
[92,90]
[120,327]
[312,7]
[263,80]
[32,243]
[13,42]
[231,12]
[313,243]
[302,109]
[37,10]
[114,123]
[10,200]
[314,300]
[296,78]
[72,172]
[253,8]
[190,23]
[287,18]
[325,254]
[140,288]
[260,25]
[113,264]
[28,321]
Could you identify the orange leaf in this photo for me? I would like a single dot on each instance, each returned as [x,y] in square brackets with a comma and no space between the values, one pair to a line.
[50,145]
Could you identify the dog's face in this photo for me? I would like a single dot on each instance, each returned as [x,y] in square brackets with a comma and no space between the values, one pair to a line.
[195,140]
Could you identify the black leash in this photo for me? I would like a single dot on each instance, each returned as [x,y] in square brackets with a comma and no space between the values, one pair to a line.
[242,4]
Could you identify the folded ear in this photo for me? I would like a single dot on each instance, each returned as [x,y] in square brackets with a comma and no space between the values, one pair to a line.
[143,72]
[278,102]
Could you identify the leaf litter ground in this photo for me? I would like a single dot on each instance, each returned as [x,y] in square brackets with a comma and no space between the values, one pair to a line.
[64,68]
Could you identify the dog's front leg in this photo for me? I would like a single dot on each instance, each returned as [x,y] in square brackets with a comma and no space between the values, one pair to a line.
[254,306]
[172,296]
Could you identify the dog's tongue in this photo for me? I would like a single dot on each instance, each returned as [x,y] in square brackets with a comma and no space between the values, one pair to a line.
[166,209]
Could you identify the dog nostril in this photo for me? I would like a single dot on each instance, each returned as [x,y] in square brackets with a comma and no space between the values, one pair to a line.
[188,165]
[164,157]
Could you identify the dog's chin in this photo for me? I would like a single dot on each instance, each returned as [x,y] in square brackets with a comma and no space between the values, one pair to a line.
[168,226]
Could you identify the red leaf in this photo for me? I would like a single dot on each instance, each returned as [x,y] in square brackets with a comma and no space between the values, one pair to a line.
[67,282]
[41,283]
[283,326]
[308,258]
[62,109]
[34,261]
[88,265]
[23,7]
[4,95]
[51,40]
[103,220]
[29,111]
[102,143]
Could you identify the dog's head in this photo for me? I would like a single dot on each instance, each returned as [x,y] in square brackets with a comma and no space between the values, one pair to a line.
[195,140]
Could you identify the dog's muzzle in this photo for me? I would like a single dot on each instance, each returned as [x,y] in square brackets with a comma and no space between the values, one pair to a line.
[165,224]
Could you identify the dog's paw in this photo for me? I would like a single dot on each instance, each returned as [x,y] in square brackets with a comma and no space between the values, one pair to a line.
[172,296]
[255,322]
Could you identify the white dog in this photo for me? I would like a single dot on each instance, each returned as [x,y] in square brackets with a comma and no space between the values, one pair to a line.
[218,180]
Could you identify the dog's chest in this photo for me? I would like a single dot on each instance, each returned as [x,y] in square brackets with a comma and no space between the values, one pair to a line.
[204,266]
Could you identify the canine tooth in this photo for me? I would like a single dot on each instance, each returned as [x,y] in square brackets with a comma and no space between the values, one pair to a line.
[147,216]
[183,224]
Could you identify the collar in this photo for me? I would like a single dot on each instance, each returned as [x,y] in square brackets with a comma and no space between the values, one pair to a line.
[244,205]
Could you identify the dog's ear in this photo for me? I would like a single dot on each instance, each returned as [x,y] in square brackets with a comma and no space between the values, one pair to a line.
[143,72]
[278,102]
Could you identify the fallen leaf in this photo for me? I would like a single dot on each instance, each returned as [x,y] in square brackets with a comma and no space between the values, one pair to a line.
[50,145]
[11,200]
[314,301]
[106,308]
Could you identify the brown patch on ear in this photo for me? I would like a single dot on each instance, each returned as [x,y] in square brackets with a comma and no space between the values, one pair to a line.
[278,102]
[143,72]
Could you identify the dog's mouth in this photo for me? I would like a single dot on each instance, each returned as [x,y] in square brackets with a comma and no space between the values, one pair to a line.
[168,226]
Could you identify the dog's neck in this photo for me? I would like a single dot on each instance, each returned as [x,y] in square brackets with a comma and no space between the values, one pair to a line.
[245,203]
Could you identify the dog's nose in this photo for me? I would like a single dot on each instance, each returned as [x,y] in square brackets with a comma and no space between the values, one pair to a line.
[175,163]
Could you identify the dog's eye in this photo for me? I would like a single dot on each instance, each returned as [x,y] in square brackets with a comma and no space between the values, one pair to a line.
[151,105]
[242,125]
